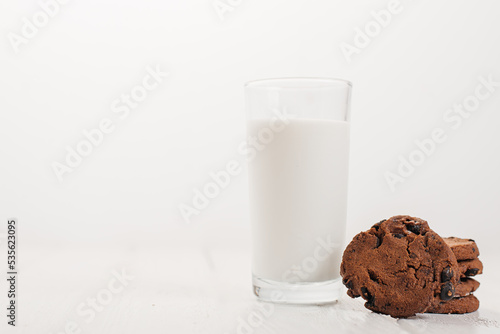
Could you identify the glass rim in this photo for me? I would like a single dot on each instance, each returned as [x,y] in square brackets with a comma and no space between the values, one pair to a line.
[318,82]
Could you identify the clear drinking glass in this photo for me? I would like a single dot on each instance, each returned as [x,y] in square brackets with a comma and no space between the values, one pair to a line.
[298,158]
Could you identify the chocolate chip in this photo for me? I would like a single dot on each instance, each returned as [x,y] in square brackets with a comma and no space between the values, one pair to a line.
[373,276]
[379,242]
[446,274]
[377,225]
[413,228]
[367,296]
[472,240]
[471,272]
[447,291]
[365,293]
[399,235]
[348,284]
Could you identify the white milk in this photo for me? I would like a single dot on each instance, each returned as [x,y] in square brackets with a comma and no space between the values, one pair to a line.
[298,200]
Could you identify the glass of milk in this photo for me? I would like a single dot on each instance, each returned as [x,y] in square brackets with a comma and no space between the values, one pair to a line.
[298,162]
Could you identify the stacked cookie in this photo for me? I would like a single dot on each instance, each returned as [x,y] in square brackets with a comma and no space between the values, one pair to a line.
[466,252]
[401,267]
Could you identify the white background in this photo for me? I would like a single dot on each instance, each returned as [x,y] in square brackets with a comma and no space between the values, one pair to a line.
[123,199]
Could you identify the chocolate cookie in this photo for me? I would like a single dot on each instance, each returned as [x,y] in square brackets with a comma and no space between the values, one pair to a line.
[464,249]
[399,266]
[470,267]
[466,287]
[457,305]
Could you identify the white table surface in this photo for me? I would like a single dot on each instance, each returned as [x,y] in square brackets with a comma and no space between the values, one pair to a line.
[192,285]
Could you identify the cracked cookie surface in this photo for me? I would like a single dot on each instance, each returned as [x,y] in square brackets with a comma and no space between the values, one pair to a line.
[399,267]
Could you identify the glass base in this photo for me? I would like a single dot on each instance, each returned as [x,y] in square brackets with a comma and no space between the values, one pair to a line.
[297,293]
